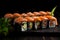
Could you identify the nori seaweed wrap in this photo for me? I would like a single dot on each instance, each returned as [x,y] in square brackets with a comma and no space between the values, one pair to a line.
[17,24]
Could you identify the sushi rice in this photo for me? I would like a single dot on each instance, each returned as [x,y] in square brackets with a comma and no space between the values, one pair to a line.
[24,26]
[37,25]
[44,24]
[52,24]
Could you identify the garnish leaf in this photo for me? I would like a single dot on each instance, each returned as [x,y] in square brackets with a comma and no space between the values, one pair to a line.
[4,25]
[52,12]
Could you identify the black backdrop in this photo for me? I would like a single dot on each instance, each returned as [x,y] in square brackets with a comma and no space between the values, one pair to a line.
[29,5]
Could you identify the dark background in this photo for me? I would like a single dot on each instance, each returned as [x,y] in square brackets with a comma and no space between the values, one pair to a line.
[29,5]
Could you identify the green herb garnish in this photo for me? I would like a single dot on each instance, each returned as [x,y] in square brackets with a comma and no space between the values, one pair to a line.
[4,25]
[53,10]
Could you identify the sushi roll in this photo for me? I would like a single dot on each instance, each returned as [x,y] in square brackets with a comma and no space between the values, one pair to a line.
[24,15]
[37,21]
[36,13]
[30,23]
[17,24]
[8,16]
[52,21]
[42,13]
[24,24]
[18,20]
[44,21]
[48,13]
[16,15]
[30,14]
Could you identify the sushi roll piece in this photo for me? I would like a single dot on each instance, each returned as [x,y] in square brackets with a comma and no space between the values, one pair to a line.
[42,13]
[48,13]
[24,24]
[30,23]
[44,21]
[18,20]
[24,15]
[52,21]
[16,15]
[17,24]
[36,13]
[30,14]
[37,21]
[8,16]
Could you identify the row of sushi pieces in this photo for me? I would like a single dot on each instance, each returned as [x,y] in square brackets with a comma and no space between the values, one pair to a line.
[33,21]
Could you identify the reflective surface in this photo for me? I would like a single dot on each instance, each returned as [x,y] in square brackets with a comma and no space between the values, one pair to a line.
[32,38]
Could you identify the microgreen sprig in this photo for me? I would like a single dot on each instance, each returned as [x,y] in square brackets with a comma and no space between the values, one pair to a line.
[53,10]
